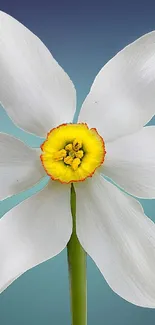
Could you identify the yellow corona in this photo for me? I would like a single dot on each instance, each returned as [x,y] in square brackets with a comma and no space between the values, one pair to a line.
[72,152]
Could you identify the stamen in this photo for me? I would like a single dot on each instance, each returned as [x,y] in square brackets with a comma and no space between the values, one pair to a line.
[77,144]
[76,162]
[79,154]
[60,155]
[69,147]
[68,160]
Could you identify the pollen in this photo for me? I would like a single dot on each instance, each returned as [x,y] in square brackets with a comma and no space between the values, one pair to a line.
[69,147]
[68,160]
[60,155]
[79,154]
[77,144]
[75,164]
[72,152]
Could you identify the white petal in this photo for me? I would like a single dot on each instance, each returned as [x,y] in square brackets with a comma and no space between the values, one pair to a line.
[20,166]
[34,231]
[121,99]
[130,162]
[35,91]
[116,233]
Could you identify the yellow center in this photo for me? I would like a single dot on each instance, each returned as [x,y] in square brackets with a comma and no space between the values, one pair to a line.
[72,152]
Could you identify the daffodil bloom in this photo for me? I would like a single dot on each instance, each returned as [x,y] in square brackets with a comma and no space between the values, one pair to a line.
[110,139]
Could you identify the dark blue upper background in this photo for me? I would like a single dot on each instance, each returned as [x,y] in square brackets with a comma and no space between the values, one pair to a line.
[82,36]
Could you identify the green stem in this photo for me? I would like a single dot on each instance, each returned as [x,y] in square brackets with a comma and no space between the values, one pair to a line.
[77,272]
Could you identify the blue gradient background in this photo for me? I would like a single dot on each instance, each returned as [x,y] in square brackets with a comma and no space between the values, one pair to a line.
[82,36]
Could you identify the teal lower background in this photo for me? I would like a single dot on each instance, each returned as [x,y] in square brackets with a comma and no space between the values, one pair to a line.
[82,37]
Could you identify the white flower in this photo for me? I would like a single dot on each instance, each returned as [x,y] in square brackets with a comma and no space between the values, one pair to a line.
[111,225]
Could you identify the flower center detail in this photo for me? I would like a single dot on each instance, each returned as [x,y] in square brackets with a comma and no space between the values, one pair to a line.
[71,155]
[72,152]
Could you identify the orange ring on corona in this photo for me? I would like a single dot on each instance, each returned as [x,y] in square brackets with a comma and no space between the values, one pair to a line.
[72,152]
